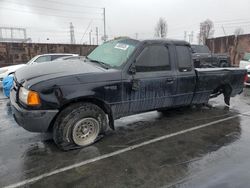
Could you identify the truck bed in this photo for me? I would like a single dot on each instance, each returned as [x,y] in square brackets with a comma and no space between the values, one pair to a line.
[211,82]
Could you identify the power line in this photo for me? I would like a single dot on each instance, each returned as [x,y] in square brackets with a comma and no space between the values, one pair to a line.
[234,23]
[234,20]
[86,31]
[51,15]
[232,26]
[224,22]
[74,5]
[56,9]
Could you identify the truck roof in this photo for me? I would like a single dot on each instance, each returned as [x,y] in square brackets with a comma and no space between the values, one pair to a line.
[167,41]
[159,40]
[58,54]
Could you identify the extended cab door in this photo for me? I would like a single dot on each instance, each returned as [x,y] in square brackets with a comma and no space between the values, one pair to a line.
[152,84]
[186,77]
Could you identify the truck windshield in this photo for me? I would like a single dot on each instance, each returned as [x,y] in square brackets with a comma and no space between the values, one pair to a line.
[200,49]
[246,57]
[31,61]
[113,53]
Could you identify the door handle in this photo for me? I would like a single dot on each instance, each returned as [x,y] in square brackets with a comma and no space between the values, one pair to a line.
[170,80]
[135,84]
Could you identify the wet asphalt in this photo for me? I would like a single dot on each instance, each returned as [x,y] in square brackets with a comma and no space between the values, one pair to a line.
[217,155]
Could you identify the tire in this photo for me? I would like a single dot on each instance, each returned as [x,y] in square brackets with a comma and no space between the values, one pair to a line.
[224,64]
[197,64]
[79,125]
[227,94]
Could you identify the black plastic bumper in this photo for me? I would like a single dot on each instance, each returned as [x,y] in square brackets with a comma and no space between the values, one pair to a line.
[32,120]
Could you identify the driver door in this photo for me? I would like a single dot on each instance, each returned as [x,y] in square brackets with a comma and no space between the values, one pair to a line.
[153,84]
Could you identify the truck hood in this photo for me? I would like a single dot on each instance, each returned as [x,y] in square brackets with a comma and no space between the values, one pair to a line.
[222,55]
[196,55]
[12,68]
[50,70]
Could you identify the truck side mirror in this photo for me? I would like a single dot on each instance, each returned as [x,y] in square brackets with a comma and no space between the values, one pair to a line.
[132,69]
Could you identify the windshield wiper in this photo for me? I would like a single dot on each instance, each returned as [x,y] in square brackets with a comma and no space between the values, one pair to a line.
[104,65]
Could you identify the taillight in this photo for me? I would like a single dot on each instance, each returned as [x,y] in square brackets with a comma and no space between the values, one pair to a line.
[246,78]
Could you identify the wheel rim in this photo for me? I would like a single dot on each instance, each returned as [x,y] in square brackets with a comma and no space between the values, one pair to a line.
[86,131]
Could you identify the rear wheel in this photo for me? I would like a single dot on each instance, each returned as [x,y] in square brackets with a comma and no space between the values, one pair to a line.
[224,64]
[79,125]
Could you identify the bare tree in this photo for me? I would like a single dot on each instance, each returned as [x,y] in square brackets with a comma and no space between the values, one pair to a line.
[161,28]
[236,49]
[238,31]
[206,31]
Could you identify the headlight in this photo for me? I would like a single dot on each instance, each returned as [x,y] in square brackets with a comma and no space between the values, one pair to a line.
[30,98]
[3,71]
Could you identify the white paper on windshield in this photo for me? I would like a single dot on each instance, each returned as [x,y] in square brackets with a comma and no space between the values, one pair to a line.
[121,46]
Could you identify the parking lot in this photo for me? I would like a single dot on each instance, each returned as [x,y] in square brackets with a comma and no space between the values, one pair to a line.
[187,147]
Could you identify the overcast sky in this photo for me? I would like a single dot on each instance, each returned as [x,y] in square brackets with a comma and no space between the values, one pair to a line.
[48,20]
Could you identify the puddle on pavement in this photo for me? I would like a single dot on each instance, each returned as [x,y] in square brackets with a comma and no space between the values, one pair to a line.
[192,157]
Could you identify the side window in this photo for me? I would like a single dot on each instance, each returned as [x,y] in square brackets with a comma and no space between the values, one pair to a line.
[54,57]
[153,58]
[184,58]
[43,59]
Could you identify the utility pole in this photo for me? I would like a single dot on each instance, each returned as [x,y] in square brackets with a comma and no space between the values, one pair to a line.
[11,34]
[72,34]
[104,25]
[185,35]
[90,37]
[201,34]
[224,30]
[136,35]
[97,34]
[24,34]
[191,36]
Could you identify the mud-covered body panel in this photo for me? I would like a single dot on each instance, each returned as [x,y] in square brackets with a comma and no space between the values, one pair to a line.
[211,78]
[122,92]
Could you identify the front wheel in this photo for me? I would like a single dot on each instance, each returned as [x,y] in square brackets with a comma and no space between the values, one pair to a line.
[79,125]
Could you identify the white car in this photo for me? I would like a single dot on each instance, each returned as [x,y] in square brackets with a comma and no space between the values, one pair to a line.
[245,63]
[5,71]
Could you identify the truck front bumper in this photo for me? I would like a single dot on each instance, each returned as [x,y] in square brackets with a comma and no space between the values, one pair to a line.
[32,120]
[1,82]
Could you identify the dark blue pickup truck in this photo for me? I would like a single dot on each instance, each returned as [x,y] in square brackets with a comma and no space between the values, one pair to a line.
[78,99]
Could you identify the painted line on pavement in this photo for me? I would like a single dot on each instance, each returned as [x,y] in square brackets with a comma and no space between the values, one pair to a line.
[105,156]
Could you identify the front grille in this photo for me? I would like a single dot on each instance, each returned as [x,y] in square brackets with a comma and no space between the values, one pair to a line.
[15,89]
[14,86]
